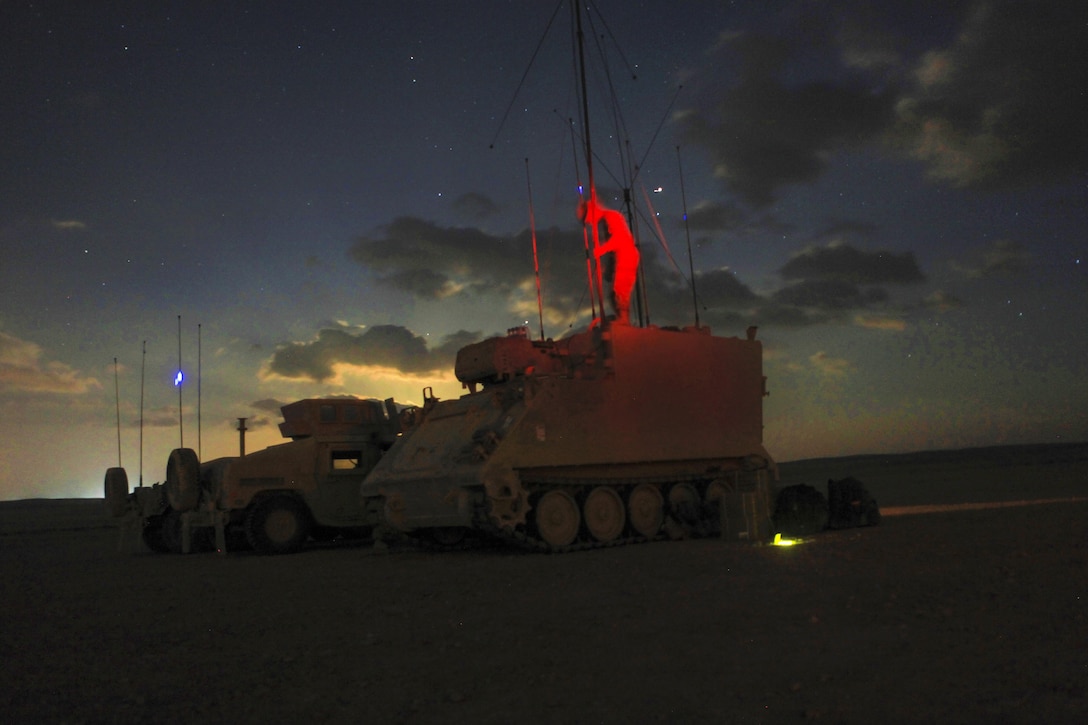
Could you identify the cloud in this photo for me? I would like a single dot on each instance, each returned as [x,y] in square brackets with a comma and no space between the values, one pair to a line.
[832,367]
[941,301]
[764,133]
[475,207]
[1002,104]
[23,369]
[709,216]
[845,263]
[828,294]
[876,322]
[67,224]
[267,405]
[430,261]
[382,346]
[434,263]
[1002,258]
[995,101]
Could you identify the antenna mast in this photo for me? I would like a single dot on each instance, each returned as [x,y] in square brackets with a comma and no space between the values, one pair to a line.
[178,380]
[143,367]
[536,259]
[687,231]
[199,360]
[577,9]
[117,398]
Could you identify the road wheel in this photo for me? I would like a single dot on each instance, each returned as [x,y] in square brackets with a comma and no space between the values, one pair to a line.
[646,507]
[684,503]
[183,479]
[116,491]
[557,518]
[277,525]
[604,514]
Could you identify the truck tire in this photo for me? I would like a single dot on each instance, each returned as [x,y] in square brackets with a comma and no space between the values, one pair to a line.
[277,525]
[183,479]
[116,491]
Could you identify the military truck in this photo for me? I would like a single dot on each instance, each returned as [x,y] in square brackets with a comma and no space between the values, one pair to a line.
[273,499]
[611,435]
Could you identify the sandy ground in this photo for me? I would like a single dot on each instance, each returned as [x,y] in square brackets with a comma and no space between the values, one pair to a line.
[960,615]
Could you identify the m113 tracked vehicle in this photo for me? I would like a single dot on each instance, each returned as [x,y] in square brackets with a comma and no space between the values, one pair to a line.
[273,499]
[611,435]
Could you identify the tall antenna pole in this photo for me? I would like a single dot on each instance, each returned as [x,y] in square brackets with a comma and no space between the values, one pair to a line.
[199,360]
[687,231]
[117,398]
[585,236]
[577,8]
[143,368]
[536,259]
[179,378]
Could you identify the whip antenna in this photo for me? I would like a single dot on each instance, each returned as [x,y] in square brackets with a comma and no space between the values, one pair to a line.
[585,232]
[117,398]
[199,377]
[687,231]
[536,259]
[143,367]
[179,378]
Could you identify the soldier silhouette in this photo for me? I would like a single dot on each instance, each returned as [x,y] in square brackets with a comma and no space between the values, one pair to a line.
[621,244]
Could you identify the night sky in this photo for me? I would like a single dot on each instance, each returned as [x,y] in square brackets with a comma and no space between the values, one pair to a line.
[335,196]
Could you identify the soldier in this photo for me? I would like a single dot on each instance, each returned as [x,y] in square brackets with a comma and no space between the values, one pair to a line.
[622,245]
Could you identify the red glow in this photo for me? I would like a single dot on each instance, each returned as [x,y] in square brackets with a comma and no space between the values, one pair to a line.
[621,244]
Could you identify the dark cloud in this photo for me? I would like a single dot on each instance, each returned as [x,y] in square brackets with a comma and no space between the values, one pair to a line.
[715,217]
[764,133]
[844,263]
[475,207]
[389,346]
[1003,104]
[829,294]
[995,100]
[431,261]
[267,405]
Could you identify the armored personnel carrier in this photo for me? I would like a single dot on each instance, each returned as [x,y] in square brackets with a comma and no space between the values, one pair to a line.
[273,499]
[611,435]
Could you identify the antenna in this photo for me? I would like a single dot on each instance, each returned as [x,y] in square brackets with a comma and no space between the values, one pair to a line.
[536,259]
[585,232]
[117,398]
[179,378]
[198,380]
[576,8]
[687,231]
[143,367]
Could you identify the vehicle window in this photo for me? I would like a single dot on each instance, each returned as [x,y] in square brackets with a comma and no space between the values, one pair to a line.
[346,460]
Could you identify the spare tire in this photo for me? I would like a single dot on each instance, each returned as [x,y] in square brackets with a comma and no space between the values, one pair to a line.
[183,479]
[116,491]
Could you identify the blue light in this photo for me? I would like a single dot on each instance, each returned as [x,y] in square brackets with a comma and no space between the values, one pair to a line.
[179,379]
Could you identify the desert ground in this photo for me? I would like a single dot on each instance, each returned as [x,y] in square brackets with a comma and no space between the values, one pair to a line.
[942,613]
